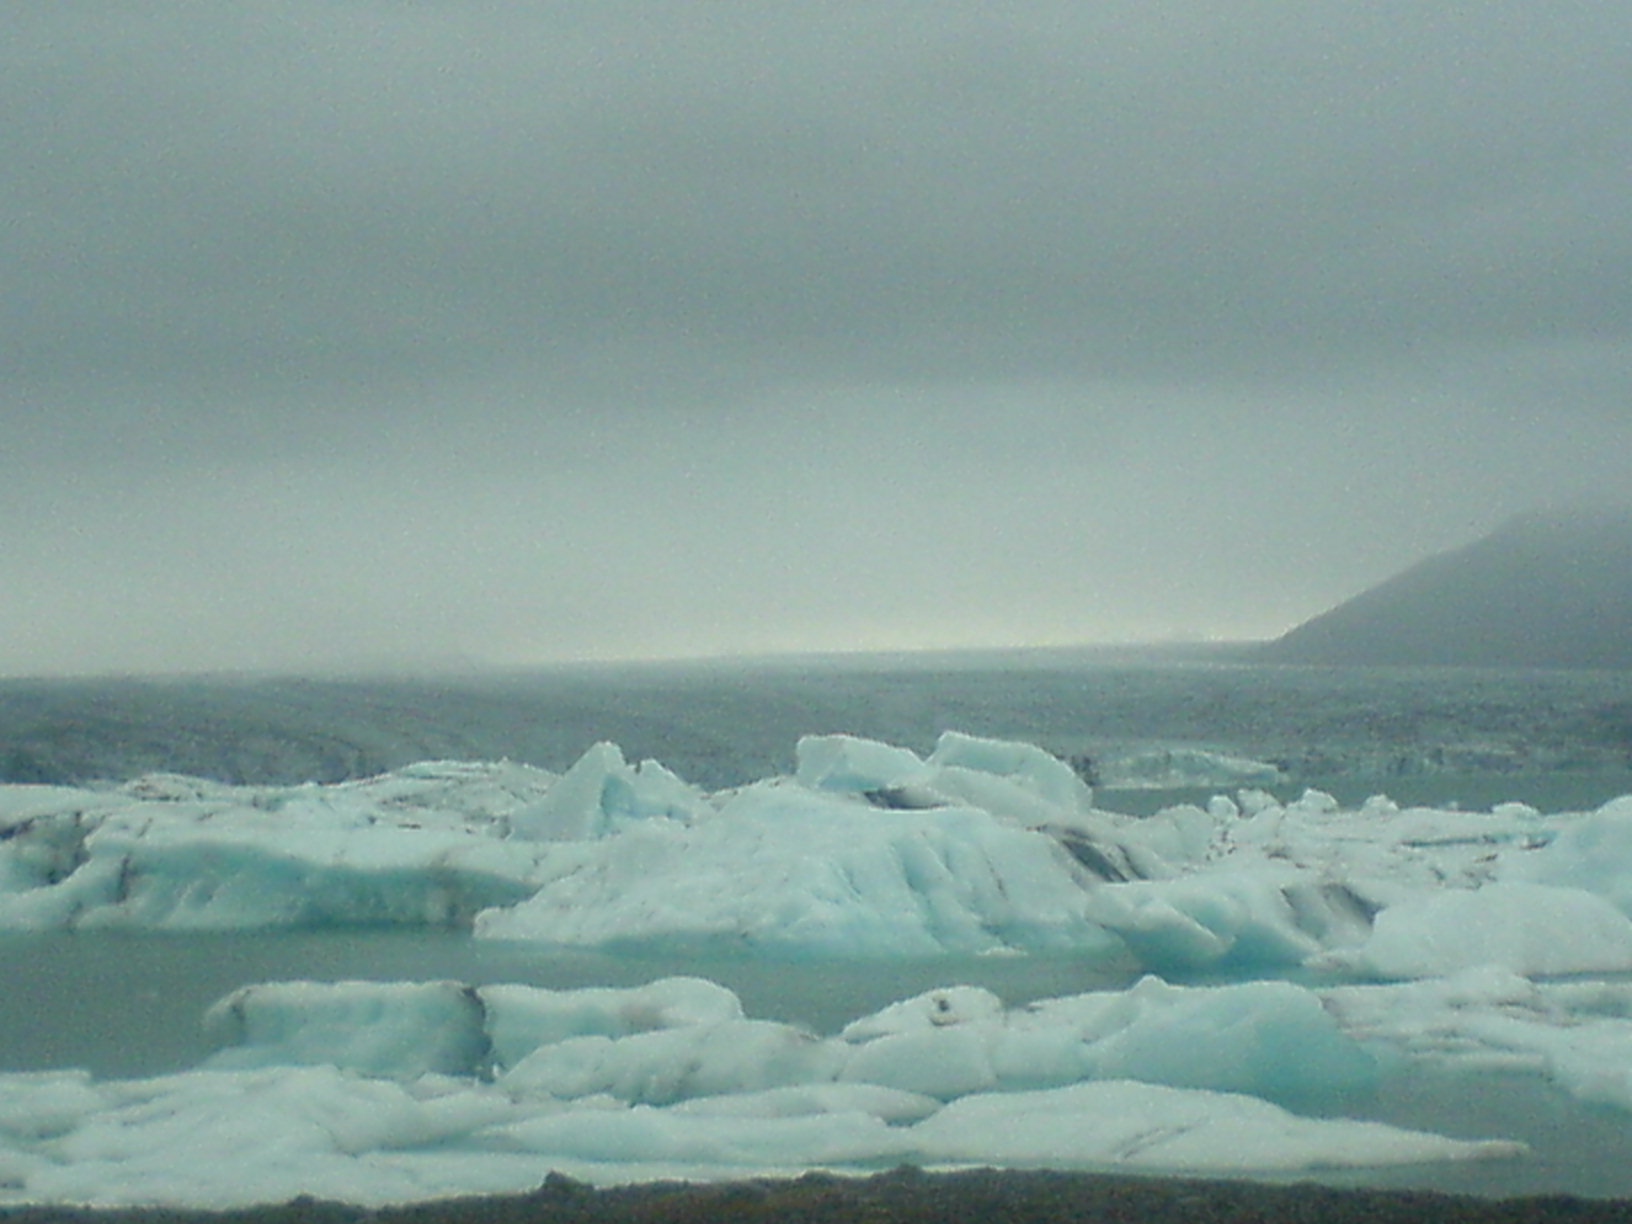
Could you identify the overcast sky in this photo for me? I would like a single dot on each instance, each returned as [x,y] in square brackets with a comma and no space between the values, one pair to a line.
[363,333]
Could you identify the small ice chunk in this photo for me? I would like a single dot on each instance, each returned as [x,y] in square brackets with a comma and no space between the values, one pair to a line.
[851,765]
[1148,1126]
[399,1029]
[600,793]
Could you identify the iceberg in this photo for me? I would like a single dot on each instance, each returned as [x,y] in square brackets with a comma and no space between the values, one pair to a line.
[425,846]
[867,850]
[1147,1127]
[376,1093]
[520,1019]
[1577,1034]
[399,1029]
[1531,929]
[1270,1039]
[783,870]
[851,765]
[671,1065]
[1593,853]
[1179,767]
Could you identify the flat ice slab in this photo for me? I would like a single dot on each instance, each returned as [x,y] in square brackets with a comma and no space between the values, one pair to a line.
[388,1092]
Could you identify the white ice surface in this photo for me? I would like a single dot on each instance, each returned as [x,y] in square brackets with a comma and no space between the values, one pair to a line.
[425,846]
[1146,1126]
[1528,928]
[785,870]
[868,850]
[391,1092]
[1593,853]
[330,1093]
[1176,767]
[1576,1033]
[602,793]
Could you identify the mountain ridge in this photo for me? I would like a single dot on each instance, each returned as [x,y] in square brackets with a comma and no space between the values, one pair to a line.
[1546,589]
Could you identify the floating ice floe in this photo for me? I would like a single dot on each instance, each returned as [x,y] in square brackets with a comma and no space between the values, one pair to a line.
[866,850]
[424,846]
[1179,767]
[375,1093]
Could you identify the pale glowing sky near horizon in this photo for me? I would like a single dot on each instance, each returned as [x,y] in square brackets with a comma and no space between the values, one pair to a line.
[344,334]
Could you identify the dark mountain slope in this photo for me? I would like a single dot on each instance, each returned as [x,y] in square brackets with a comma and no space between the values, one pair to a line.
[1545,590]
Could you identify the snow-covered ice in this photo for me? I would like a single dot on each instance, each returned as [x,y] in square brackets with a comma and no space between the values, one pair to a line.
[1145,1126]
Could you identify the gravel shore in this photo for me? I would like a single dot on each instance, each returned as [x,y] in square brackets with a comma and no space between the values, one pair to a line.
[903,1196]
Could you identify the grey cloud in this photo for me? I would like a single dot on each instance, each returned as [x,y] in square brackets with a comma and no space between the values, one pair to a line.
[1170,314]
[1134,185]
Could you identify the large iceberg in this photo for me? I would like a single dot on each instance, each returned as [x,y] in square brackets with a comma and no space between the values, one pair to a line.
[785,870]
[425,846]
[866,850]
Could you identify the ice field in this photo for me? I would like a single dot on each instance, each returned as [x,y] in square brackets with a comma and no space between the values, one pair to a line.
[1267,974]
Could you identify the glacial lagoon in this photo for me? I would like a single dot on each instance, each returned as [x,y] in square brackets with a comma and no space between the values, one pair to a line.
[129,1003]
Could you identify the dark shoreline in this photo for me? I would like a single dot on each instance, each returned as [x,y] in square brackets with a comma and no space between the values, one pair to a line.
[902,1196]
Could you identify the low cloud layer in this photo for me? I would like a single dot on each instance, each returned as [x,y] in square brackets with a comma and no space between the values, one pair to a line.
[367,332]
